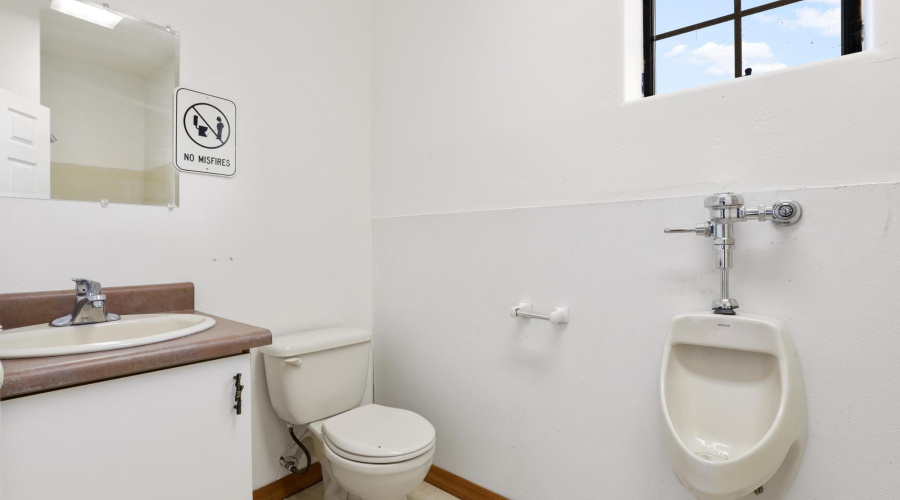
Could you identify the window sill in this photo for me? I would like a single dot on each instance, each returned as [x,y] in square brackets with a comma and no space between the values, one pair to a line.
[864,58]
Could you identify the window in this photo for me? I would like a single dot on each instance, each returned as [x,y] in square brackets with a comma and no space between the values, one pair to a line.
[689,42]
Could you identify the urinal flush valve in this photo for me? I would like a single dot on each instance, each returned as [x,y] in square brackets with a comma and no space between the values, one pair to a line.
[725,209]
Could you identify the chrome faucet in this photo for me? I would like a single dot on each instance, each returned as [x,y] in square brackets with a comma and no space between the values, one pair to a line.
[725,209]
[90,306]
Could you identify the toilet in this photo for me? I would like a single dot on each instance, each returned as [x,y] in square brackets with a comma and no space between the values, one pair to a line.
[733,405]
[371,452]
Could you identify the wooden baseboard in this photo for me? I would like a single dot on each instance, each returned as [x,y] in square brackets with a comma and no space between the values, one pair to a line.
[290,484]
[459,487]
[440,478]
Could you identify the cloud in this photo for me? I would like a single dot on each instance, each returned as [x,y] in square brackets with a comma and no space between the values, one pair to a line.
[826,21]
[757,50]
[719,58]
[677,50]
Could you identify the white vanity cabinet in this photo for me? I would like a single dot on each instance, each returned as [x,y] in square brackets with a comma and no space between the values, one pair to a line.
[171,434]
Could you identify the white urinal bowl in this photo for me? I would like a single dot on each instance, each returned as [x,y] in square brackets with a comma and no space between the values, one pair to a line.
[733,405]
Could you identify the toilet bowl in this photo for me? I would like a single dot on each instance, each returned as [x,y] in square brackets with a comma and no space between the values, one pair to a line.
[375,452]
[732,404]
[369,452]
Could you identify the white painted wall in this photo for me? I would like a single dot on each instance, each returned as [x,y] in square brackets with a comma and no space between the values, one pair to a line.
[286,244]
[158,126]
[534,411]
[507,104]
[511,103]
[20,47]
[97,115]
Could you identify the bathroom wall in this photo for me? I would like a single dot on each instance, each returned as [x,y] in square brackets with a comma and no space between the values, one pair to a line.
[534,411]
[70,181]
[20,43]
[89,108]
[158,116]
[159,187]
[286,243]
[511,103]
[97,157]
[510,167]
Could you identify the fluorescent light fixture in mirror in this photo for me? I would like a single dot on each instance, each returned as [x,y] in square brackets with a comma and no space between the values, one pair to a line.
[87,12]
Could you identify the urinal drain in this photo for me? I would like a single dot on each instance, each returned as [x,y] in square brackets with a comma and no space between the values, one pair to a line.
[710,457]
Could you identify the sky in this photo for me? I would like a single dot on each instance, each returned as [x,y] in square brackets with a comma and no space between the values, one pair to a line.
[796,34]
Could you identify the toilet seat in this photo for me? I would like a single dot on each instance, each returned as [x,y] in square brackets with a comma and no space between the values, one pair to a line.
[376,434]
[376,460]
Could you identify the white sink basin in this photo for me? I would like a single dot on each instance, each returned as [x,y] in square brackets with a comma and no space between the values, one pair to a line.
[132,330]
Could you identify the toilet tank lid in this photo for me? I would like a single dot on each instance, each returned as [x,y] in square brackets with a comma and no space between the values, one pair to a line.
[295,344]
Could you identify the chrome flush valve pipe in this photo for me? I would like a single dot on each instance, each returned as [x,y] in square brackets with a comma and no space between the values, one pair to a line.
[726,209]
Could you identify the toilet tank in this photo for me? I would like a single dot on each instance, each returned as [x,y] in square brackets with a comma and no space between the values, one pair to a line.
[316,374]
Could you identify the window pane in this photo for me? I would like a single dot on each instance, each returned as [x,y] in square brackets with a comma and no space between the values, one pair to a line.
[796,34]
[695,58]
[674,14]
[749,4]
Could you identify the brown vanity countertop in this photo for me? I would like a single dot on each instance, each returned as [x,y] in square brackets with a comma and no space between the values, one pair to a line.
[34,375]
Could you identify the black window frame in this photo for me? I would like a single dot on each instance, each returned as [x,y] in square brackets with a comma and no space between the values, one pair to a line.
[851,33]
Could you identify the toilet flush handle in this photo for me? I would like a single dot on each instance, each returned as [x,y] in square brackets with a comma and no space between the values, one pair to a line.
[294,362]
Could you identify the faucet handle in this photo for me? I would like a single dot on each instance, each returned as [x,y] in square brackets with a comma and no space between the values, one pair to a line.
[84,286]
[704,229]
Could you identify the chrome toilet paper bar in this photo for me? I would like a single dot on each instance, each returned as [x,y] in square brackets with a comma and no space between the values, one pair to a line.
[559,316]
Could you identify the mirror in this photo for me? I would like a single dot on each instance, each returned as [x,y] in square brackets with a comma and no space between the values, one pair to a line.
[86,104]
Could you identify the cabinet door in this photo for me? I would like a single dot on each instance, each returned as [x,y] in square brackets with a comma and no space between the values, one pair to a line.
[171,434]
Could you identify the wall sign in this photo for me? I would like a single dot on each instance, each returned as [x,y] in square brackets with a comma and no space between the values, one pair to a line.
[205,133]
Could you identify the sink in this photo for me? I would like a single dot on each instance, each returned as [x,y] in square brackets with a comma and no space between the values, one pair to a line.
[132,330]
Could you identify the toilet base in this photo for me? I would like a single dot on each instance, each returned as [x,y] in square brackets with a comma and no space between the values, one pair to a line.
[333,489]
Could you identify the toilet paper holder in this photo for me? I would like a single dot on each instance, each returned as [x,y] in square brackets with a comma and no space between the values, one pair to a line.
[559,316]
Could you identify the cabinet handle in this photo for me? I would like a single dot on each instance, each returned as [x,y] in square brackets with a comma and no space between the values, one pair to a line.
[237,393]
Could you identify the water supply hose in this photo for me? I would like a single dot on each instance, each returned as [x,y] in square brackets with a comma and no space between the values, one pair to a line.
[290,463]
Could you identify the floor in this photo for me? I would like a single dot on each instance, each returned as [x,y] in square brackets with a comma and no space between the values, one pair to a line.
[425,491]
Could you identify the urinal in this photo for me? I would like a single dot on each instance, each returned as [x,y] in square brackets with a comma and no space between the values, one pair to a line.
[733,405]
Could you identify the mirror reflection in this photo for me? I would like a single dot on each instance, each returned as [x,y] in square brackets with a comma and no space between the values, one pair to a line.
[89,95]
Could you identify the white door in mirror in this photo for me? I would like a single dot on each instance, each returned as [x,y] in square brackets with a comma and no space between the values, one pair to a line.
[131,330]
[24,147]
